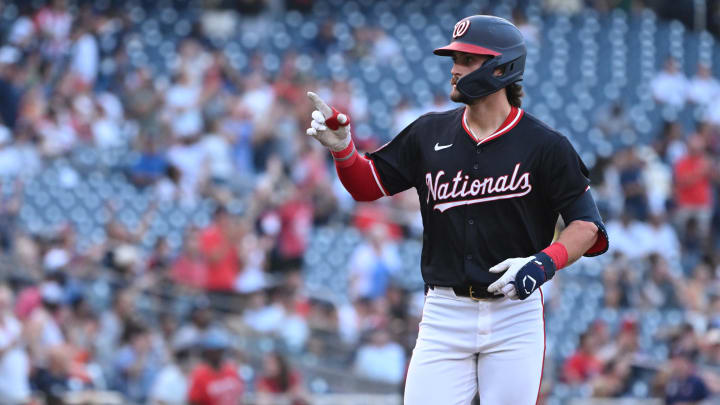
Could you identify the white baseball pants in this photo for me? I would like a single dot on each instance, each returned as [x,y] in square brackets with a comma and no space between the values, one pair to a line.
[492,347]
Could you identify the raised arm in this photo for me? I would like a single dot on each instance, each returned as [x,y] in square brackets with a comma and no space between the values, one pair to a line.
[332,129]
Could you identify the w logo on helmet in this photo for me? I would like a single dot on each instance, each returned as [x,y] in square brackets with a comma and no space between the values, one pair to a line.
[461,28]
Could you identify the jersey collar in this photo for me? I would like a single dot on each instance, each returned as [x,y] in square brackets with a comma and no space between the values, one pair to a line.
[512,119]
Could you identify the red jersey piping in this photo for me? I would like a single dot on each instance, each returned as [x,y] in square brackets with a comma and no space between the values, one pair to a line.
[512,119]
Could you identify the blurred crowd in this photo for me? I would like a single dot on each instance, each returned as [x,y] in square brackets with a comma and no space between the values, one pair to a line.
[202,131]
[662,213]
[161,325]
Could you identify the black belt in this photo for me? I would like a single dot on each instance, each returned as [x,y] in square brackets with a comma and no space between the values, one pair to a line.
[474,291]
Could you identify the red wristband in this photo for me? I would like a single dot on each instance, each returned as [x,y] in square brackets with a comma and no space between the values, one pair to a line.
[345,157]
[558,253]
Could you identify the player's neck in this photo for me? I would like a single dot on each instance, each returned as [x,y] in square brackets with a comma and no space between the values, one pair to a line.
[486,115]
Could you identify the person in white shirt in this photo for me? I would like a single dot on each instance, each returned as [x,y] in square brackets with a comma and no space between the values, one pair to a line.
[634,239]
[703,88]
[664,237]
[171,386]
[191,157]
[381,359]
[218,153]
[14,362]
[10,161]
[670,86]
[84,55]
[372,264]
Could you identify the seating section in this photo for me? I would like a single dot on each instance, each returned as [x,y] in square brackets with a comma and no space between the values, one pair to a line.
[577,66]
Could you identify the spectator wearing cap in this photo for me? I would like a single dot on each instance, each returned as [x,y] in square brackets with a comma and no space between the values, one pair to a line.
[215,380]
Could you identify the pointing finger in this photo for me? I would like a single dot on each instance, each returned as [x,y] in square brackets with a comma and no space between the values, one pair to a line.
[342,119]
[319,104]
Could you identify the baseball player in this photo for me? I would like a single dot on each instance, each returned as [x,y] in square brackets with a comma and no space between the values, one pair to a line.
[492,180]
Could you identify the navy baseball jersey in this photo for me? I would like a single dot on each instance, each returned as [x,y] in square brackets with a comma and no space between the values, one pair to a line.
[483,202]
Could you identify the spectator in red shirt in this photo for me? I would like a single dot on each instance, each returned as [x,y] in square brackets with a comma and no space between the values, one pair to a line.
[584,363]
[215,381]
[693,186]
[217,246]
[190,269]
[295,216]
[279,383]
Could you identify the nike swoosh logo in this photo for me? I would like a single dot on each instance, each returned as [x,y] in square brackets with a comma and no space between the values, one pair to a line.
[441,147]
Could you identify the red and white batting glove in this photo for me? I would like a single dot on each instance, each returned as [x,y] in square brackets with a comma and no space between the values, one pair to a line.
[330,127]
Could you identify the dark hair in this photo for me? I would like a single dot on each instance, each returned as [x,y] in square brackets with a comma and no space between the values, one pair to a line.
[283,377]
[173,173]
[514,94]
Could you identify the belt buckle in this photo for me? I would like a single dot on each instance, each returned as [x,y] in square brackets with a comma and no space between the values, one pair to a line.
[471,295]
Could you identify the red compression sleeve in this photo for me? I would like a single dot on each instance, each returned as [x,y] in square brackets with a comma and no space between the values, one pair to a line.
[358,174]
[558,253]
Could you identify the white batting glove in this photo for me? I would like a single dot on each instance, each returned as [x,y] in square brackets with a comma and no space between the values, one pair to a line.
[328,126]
[506,284]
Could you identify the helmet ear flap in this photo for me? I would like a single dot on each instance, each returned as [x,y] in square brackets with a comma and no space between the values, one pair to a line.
[483,82]
[512,67]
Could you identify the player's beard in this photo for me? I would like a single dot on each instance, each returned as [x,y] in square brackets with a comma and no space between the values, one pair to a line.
[458,97]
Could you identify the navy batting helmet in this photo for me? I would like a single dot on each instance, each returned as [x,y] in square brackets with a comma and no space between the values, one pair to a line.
[492,36]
